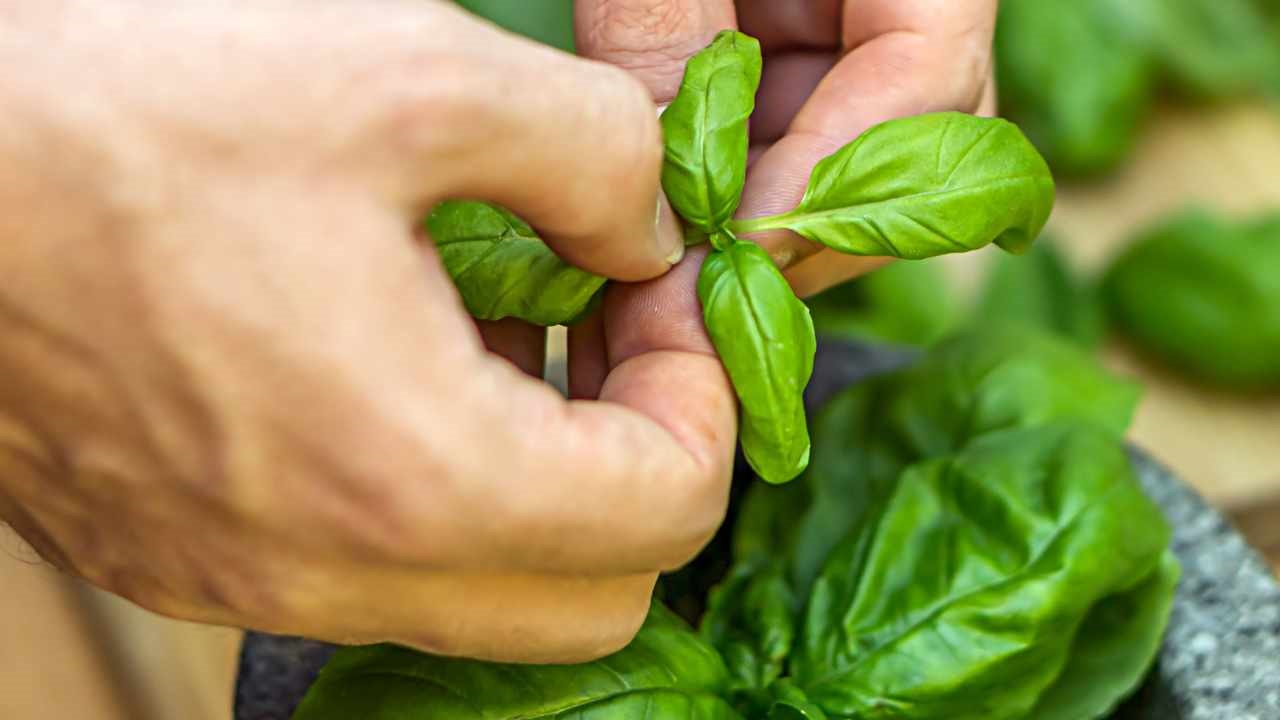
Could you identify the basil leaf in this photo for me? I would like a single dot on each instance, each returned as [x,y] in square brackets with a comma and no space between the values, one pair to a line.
[1211,48]
[765,338]
[1039,290]
[705,131]
[906,303]
[790,703]
[502,269]
[666,672]
[924,186]
[1074,77]
[975,573]
[1113,649]
[977,383]
[1203,294]
[750,620]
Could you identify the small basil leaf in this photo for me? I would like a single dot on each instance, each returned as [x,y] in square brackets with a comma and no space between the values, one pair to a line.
[1039,290]
[1203,294]
[905,303]
[751,620]
[705,131]
[502,269]
[976,573]
[1113,649]
[666,672]
[1075,79]
[924,186]
[790,703]
[765,338]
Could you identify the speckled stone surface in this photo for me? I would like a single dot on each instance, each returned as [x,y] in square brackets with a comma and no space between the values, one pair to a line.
[1220,660]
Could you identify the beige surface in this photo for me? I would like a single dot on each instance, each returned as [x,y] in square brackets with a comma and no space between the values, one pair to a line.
[68,652]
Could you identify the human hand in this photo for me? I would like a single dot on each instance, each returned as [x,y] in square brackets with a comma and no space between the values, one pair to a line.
[235,388]
[832,69]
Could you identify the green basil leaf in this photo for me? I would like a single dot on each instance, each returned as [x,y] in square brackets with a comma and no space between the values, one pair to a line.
[906,303]
[975,573]
[1203,294]
[765,338]
[666,672]
[980,382]
[1075,78]
[502,269]
[1113,649]
[1211,48]
[751,620]
[705,131]
[923,186]
[790,703]
[1039,290]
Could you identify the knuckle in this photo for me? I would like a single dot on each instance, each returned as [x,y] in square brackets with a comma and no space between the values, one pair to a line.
[650,38]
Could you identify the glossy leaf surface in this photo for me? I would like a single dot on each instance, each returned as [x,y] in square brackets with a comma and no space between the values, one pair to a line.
[765,338]
[922,186]
[959,596]
[705,131]
[666,672]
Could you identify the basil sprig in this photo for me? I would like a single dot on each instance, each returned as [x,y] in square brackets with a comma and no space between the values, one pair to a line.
[910,188]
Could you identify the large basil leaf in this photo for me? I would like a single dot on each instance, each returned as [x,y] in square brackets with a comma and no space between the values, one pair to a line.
[1113,649]
[765,338]
[751,620]
[923,186]
[666,672]
[1203,294]
[982,381]
[1039,290]
[1074,79]
[959,596]
[502,269]
[706,131]
[906,303]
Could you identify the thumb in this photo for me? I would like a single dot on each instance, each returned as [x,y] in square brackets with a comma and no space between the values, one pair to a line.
[651,38]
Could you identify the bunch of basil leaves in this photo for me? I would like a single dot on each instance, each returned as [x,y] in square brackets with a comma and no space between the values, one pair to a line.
[970,543]
[911,188]
[1202,293]
[1080,76]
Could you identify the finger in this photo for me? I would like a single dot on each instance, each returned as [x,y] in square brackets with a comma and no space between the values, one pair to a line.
[659,443]
[588,363]
[790,26]
[469,463]
[650,38]
[827,269]
[570,145]
[502,618]
[989,105]
[904,58]
[785,86]
[523,344]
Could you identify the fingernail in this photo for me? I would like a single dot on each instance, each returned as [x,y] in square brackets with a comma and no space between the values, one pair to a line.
[667,230]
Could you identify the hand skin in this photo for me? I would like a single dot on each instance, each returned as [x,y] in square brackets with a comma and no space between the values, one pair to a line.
[236,388]
[832,69]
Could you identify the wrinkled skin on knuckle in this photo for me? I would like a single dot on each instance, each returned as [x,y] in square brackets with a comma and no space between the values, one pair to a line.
[649,38]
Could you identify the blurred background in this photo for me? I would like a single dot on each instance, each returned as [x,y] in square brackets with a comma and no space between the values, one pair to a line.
[1161,119]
